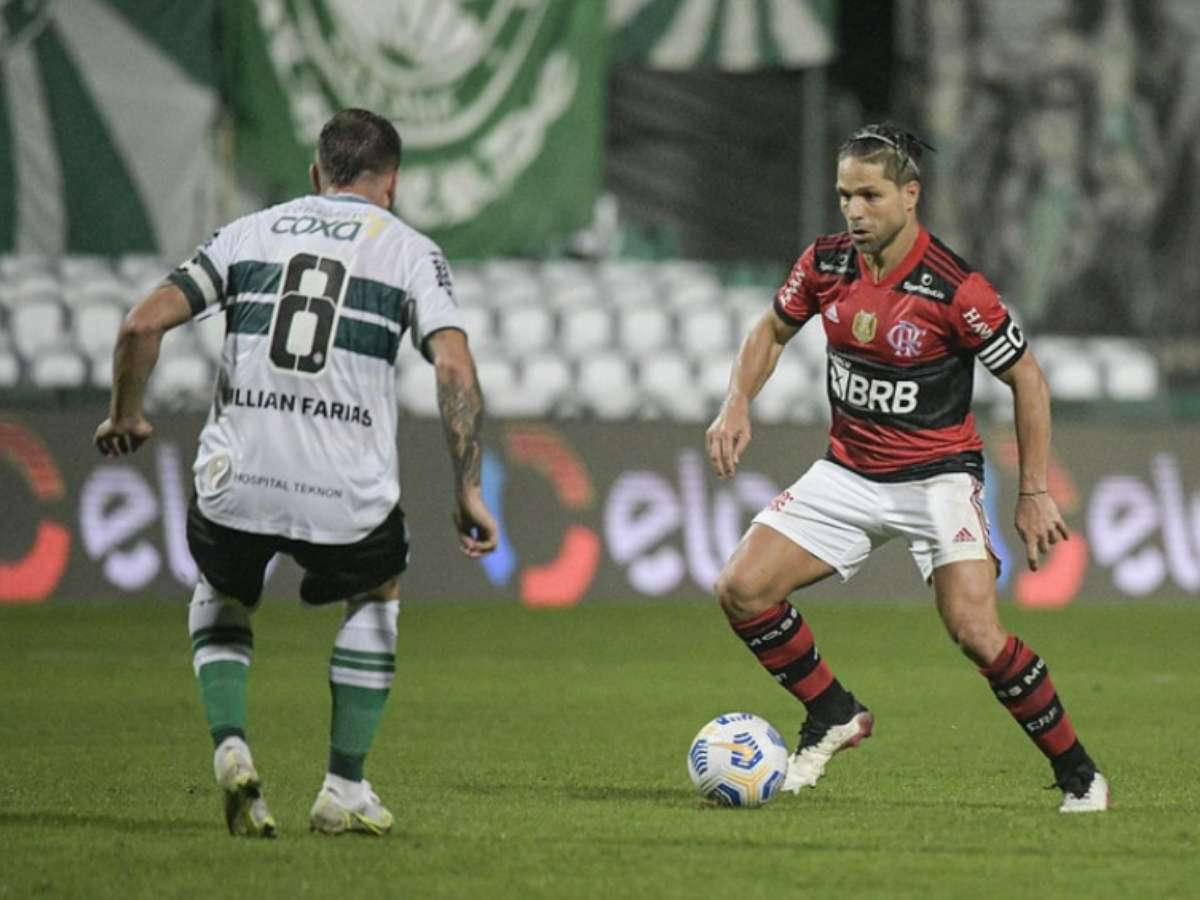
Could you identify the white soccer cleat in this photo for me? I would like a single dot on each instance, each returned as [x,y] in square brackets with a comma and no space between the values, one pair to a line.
[820,742]
[1095,798]
[343,806]
[246,812]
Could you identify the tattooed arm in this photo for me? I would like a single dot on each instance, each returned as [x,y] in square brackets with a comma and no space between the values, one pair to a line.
[461,405]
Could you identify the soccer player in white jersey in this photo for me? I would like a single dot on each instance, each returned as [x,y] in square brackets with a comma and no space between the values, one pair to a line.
[299,452]
[905,319]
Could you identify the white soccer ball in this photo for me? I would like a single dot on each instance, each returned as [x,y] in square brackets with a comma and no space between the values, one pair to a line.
[738,759]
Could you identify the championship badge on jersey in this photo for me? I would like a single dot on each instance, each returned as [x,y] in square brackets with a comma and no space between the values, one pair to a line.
[864,326]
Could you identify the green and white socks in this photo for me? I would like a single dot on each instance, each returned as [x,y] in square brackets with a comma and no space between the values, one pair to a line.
[361,671]
[222,646]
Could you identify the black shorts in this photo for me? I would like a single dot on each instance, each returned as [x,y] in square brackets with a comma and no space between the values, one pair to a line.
[235,562]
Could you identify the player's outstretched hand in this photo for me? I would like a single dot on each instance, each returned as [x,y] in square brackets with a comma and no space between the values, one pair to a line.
[727,437]
[1040,525]
[477,528]
[122,437]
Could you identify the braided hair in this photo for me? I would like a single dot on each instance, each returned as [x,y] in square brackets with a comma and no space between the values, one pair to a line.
[897,150]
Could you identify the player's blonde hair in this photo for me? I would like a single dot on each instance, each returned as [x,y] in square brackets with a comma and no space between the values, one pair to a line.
[897,150]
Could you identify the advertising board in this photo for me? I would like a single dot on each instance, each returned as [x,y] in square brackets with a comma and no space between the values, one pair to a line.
[590,512]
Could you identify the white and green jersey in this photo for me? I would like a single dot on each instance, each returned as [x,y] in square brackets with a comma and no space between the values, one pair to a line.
[317,293]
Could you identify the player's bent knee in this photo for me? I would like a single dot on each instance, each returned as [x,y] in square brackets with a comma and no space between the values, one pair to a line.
[979,640]
[740,597]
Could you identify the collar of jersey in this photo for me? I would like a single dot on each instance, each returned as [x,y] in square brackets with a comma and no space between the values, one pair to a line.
[353,198]
[920,245]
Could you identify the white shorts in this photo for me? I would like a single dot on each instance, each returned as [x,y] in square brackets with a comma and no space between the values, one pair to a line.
[840,517]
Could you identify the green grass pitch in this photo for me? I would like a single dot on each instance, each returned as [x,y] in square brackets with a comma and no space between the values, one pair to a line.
[541,754]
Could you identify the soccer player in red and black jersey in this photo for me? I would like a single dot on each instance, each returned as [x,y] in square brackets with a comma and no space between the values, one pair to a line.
[905,318]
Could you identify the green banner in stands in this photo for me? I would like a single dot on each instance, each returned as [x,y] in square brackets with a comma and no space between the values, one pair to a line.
[106,116]
[730,35]
[499,105]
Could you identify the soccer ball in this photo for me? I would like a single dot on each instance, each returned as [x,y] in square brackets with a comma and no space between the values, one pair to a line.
[738,759]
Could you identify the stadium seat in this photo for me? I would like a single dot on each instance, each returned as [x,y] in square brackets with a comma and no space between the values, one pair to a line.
[1075,379]
[749,298]
[38,324]
[182,380]
[129,265]
[522,403]
[989,391]
[688,293]
[576,294]
[1070,371]
[58,367]
[509,293]
[627,294]
[417,387]
[606,387]
[1129,371]
[744,321]
[644,329]
[547,377]
[625,271]
[811,343]
[83,268]
[496,271]
[16,266]
[100,373]
[706,331]
[560,272]
[508,282]
[98,287]
[36,287]
[629,283]
[677,272]
[584,330]
[788,394]
[478,323]
[795,392]
[469,289]
[525,329]
[95,327]
[141,272]
[498,380]
[712,378]
[669,388]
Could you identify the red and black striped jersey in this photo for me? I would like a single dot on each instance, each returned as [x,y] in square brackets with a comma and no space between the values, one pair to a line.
[901,354]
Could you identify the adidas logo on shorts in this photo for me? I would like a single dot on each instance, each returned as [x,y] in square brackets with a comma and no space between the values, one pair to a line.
[964,536]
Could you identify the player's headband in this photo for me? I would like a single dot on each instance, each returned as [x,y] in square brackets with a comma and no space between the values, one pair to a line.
[906,144]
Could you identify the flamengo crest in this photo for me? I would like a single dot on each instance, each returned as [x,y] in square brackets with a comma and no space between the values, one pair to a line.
[905,338]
